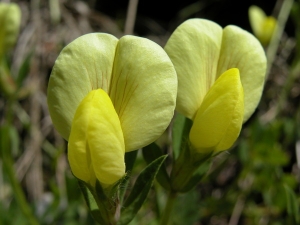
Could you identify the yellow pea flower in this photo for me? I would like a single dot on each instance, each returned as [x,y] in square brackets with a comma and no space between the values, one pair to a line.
[107,97]
[263,26]
[216,97]
[10,20]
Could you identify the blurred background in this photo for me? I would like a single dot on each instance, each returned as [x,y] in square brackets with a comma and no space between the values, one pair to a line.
[256,182]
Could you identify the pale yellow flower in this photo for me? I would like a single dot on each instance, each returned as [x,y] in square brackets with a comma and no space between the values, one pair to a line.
[201,52]
[107,97]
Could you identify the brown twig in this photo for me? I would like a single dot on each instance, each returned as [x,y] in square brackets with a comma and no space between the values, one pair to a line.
[131,15]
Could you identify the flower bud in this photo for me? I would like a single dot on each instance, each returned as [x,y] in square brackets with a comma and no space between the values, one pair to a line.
[10,20]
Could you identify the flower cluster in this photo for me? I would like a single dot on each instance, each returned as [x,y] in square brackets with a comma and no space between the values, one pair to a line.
[108,96]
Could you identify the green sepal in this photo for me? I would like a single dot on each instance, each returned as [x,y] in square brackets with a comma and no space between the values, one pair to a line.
[292,203]
[102,201]
[197,176]
[180,133]
[122,187]
[91,202]
[152,152]
[189,168]
[130,158]
[100,194]
[140,191]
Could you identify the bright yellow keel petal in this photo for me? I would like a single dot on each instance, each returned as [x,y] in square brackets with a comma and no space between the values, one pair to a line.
[219,119]
[96,143]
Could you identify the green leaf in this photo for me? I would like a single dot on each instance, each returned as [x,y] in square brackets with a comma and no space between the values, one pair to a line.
[140,191]
[152,152]
[24,70]
[180,133]
[292,203]
[15,140]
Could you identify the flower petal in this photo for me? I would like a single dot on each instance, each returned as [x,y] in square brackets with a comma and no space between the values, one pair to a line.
[143,90]
[242,50]
[96,143]
[194,49]
[269,27]
[219,119]
[83,65]
[256,17]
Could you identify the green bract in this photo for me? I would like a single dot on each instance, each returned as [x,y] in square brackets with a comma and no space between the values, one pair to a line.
[139,80]
[201,51]
[10,19]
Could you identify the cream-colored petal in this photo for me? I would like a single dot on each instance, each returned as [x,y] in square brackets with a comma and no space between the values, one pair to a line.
[219,119]
[256,17]
[83,65]
[96,144]
[194,49]
[143,90]
[242,50]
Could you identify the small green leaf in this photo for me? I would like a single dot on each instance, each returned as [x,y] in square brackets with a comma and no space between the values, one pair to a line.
[140,191]
[24,70]
[15,140]
[292,203]
[152,152]
[177,134]
[5,143]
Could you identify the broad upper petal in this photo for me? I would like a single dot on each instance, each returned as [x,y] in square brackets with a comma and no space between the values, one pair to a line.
[83,65]
[242,50]
[194,49]
[143,90]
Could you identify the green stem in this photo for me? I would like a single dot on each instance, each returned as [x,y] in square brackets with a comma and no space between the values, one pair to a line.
[8,165]
[169,207]
[281,21]
[17,190]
